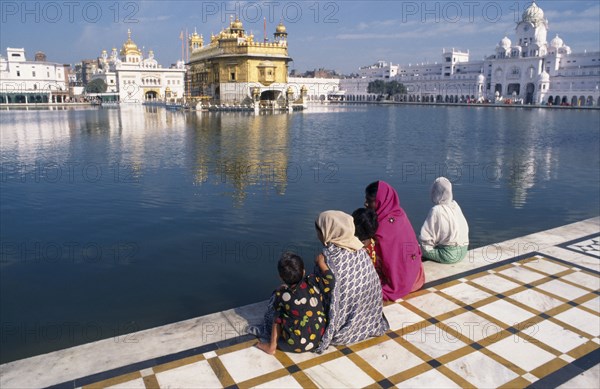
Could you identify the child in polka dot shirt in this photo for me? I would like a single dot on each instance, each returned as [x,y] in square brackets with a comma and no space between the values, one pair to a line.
[300,317]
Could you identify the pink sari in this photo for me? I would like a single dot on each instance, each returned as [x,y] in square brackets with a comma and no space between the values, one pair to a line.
[397,246]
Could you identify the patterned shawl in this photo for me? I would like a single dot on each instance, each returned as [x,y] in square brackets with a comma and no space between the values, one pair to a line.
[356,308]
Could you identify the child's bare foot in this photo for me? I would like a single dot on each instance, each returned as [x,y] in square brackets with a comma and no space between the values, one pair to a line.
[266,347]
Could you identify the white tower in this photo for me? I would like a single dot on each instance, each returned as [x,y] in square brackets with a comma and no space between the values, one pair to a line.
[531,32]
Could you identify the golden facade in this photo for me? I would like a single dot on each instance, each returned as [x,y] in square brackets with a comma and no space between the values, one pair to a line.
[233,64]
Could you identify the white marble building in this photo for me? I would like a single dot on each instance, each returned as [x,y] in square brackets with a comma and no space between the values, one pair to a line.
[136,78]
[528,70]
[381,69]
[23,81]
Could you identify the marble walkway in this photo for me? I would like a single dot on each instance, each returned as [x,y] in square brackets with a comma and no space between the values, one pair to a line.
[521,313]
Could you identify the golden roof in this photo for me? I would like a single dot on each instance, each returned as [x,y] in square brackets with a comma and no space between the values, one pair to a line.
[280,29]
[237,25]
[196,38]
[129,47]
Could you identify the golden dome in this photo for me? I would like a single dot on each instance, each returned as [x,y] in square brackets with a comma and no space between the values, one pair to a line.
[237,25]
[196,40]
[129,47]
[280,29]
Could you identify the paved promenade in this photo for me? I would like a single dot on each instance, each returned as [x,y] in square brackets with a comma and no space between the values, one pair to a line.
[520,313]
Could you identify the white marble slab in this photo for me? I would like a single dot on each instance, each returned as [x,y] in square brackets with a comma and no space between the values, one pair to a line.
[399,316]
[556,336]
[581,320]
[506,312]
[287,382]
[536,300]
[562,289]
[473,326]
[481,370]
[431,379]
[241,317]
[434,341]
[339,373]
[466,293]
[495,283]
[194,375]
[521,274]
[589,281]
[248,363]
[546,266]
[432,304]
[593,304]
[389,358]
[524,354]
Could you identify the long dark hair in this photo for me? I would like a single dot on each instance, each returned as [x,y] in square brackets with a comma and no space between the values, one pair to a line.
[371,190]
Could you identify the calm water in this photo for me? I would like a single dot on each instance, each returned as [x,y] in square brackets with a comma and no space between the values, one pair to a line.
[116,220]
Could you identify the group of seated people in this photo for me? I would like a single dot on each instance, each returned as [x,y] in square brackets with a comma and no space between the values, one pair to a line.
[368,257]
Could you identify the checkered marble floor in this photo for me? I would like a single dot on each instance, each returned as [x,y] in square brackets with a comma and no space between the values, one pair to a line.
[531,321]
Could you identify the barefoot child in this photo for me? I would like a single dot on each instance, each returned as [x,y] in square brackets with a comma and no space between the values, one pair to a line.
[300,318]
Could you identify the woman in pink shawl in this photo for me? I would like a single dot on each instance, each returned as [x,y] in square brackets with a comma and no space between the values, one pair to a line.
[396,243]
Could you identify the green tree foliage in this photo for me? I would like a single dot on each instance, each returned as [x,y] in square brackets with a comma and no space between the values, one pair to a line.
[96,86]
[394,88]
[377,86]
[389,89]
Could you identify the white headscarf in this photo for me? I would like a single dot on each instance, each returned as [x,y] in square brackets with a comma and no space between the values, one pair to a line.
[445,225]
[441,191]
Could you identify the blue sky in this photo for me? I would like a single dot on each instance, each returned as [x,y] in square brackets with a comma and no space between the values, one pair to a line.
[340,35]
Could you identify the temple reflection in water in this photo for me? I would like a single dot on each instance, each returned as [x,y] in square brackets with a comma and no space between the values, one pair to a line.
[246,152]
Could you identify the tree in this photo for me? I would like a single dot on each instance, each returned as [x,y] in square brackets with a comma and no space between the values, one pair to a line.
[96,86]
[377,86]
[389,89]
[394,88]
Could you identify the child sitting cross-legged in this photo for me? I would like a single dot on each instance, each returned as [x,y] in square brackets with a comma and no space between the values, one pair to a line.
[300,317]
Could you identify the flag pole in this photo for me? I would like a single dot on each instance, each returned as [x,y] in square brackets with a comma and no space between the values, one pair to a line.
[181,37]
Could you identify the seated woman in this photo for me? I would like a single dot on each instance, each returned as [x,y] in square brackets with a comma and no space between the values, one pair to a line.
[396,243]
[356,308]
[445,234]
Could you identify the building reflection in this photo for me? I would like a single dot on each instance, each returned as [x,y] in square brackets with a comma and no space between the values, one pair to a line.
[241,151]
[525,159]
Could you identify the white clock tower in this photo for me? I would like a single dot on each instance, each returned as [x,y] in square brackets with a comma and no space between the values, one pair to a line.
[532,31]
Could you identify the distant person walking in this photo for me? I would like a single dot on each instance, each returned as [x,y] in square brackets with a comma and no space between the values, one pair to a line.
[395,243]
[445,234]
